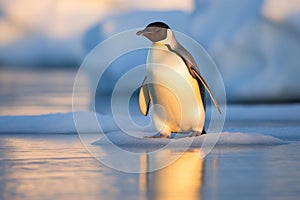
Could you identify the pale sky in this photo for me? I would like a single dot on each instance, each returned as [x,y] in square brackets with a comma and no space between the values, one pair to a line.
[279,10]
[65,18]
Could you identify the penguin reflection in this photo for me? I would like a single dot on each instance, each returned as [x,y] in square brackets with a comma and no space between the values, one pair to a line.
[183,179]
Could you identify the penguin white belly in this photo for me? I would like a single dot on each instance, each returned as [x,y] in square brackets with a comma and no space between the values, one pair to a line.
[175,90]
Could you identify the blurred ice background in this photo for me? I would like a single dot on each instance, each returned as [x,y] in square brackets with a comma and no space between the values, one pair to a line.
[255,43]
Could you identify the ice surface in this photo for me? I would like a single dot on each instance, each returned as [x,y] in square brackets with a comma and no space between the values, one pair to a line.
[59,167]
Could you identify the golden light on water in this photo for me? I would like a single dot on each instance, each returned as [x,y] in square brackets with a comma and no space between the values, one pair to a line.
[39,168]
[59,166]
[183,179]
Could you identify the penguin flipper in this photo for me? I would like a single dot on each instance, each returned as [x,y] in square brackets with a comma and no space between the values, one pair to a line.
[193,69]
[201,79]
[144,98]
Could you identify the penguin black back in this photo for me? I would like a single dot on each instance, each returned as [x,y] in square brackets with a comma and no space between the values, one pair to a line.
[158,24]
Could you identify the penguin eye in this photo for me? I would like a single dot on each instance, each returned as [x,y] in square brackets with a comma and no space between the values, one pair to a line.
[157,29]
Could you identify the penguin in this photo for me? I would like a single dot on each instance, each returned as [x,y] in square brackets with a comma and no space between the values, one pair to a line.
[174,83]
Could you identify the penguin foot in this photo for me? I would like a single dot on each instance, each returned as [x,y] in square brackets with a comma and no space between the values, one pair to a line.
[198,133]
[158,135]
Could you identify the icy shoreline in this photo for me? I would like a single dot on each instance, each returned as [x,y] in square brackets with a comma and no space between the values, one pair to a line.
[64,123]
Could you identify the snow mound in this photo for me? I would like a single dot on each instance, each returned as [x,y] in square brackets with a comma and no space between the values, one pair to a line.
[59,123]
[122,139]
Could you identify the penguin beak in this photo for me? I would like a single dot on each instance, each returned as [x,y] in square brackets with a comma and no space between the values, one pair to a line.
[140,32]
[143,32]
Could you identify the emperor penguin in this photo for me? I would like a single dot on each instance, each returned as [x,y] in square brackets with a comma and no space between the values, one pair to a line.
[173,85]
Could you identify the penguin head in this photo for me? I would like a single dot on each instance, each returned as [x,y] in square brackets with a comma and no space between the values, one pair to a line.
[156,32]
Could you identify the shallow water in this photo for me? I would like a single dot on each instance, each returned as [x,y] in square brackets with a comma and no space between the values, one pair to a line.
[32,92]
[58,167]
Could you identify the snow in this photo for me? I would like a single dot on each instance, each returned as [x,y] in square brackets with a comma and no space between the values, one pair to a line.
[275,112]
[51,123]
[226,139]
[245,125]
